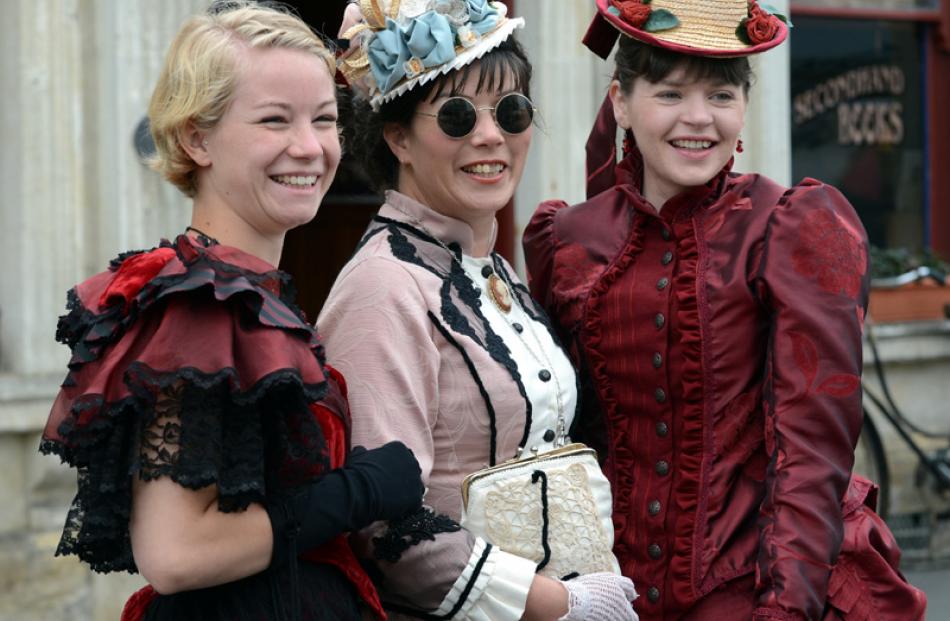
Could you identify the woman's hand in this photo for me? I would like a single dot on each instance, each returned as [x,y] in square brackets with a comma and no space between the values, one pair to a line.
[601,596]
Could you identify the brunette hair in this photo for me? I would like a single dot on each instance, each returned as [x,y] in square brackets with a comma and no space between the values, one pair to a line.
[201,69]
[635,59]
[363,127]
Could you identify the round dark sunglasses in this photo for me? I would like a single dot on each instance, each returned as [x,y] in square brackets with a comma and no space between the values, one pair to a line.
[457,116]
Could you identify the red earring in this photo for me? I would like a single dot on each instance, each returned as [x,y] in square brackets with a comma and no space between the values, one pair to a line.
[739,148]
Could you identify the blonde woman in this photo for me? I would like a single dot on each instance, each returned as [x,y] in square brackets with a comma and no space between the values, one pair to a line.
[209,438]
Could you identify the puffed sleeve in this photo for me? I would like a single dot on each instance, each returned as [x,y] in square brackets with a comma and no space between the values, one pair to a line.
[813,274]
[167,379]
[539,242]
[376,330]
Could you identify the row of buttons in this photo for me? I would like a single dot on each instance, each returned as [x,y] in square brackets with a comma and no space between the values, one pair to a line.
[662,467]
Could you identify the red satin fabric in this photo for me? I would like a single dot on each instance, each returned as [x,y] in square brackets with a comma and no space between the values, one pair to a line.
[721,339]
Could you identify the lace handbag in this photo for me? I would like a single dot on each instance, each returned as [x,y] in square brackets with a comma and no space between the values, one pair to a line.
[552,507]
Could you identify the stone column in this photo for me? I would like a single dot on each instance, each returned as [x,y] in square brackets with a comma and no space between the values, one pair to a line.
[568,87]
[767,137]
[75,76]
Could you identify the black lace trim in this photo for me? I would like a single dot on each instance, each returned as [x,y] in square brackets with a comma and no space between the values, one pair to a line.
[457,284]
[411,530]
[194,428]
[463,597]
[492,420]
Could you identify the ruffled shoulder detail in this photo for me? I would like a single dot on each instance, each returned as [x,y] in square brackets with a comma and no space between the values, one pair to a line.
[191,363]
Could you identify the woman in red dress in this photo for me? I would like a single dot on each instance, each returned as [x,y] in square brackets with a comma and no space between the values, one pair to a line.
[210,440]
[716,320]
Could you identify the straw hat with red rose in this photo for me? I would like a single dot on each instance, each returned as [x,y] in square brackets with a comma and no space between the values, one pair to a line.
[717,28]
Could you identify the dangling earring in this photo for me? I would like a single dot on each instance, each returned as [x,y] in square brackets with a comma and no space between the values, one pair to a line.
[628,143]
[739,148]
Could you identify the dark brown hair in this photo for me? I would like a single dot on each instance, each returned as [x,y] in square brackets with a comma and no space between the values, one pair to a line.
[363,127]
[639,60]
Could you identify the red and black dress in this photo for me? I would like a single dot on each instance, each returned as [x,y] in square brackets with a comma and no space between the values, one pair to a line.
[191,361]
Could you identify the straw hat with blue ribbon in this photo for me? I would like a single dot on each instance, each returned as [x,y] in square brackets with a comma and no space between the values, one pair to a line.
[402,44]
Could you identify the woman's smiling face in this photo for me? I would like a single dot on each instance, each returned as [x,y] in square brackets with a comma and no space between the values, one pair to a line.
[468,178]
[686,129]
[273,155]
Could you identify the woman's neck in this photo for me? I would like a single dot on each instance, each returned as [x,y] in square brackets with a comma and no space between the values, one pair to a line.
[229,229]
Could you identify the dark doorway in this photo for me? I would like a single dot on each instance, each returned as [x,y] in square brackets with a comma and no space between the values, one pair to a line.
[315,253]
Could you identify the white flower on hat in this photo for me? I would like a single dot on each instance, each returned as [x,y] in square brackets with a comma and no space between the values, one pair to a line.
[456,11]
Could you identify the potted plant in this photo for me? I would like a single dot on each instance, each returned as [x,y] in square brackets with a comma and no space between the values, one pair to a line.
[908,286]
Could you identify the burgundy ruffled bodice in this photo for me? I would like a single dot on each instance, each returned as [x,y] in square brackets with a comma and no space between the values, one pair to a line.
[193,362]
[721,341]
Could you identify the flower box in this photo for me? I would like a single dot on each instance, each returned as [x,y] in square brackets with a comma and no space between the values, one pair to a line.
[920,301]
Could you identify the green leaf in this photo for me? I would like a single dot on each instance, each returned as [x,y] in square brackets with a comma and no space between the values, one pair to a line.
[613,10]
[661,19]
[646,1]
[787,21]
[742,34]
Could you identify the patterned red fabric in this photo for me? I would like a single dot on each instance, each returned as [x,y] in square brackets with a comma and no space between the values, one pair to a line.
[724,349]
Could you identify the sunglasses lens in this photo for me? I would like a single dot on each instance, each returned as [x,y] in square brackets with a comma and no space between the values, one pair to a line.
[457,117]
[514,113]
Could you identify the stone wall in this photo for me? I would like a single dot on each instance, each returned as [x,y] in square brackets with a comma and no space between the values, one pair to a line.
[75,76]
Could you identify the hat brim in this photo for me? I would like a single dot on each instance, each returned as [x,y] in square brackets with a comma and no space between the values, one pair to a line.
[656,38]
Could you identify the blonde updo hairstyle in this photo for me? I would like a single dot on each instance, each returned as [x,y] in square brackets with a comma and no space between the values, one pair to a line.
[201,68]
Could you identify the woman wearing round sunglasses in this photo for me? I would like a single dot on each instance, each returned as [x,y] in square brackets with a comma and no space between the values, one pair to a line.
[441,344]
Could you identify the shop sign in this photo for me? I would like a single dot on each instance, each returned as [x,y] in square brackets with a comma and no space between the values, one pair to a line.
[866,101]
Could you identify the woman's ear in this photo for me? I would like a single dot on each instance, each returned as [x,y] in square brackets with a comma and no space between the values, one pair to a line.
[195,143]
[619,100]
[397,137]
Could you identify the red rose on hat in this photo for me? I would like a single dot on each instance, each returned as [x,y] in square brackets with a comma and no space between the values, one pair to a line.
[760,26]
[634,12]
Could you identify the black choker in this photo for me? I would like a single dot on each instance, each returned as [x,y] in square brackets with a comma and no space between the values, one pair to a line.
[205,239]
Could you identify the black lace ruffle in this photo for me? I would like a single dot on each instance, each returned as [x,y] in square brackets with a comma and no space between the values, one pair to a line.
[196,427]
[191,427]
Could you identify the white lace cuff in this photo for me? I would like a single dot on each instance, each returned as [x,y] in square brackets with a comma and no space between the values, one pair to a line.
[492,587]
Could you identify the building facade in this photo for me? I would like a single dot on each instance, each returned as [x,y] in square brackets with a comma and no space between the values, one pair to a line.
[76,77]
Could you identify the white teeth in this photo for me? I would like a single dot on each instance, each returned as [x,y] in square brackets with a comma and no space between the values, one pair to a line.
[692,144]
[484,169]
[296,179]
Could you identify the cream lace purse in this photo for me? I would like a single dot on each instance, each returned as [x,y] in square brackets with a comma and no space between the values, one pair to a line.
[553,508]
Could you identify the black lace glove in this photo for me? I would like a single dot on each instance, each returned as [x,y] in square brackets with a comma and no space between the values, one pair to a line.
[377,484]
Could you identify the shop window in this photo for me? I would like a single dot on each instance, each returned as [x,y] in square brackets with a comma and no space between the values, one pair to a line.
[858,120]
